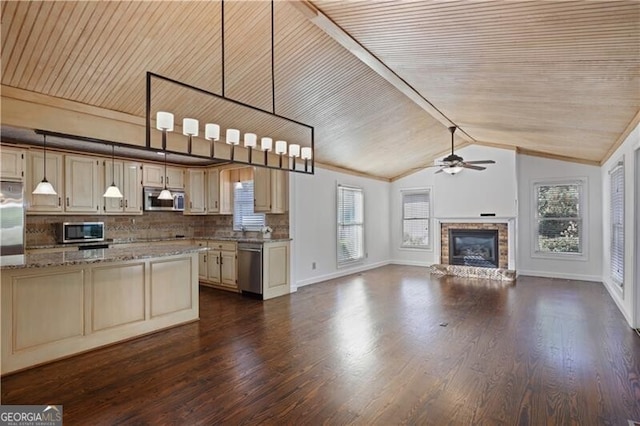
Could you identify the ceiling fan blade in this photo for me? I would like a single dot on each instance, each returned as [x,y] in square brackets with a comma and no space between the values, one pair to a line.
[481,162]
[469,166]
[439,171]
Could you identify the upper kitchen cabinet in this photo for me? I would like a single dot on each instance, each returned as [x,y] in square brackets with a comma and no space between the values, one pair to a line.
[35,173]
[153,175]
[213,191]
[12,163]
[128,179]
[196,192]
[82,184]
[271,190]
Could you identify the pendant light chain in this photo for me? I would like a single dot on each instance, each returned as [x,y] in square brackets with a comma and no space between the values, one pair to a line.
[222,40]
[273,75]
[45,157]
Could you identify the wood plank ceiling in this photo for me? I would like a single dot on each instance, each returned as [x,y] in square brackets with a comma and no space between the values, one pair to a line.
[557,77]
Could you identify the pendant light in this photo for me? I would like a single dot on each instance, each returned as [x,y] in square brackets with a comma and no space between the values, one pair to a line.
[44,187]
[113,191]
[165,194]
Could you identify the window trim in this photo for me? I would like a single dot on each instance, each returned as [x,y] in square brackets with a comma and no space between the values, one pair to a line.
[583,183]
[619,165]
[410,191]
[348,263]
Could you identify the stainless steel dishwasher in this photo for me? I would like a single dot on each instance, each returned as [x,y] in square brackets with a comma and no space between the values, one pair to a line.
[250,269]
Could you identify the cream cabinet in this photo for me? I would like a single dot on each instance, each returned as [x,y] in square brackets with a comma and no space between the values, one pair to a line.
[275,269]
[128,179]
[35,173]
[213,191]
[82,193]
[220,264]
[270,190]
[153,175]
[196,192]
[12,162]
[54,312]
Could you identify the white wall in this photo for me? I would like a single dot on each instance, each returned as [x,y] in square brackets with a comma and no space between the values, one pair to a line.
[589,268]
[626,297]
[314,226]
[472,192]
[420,180]
[464,195]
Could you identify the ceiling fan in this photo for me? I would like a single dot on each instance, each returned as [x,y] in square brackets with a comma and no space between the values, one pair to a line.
[452,164]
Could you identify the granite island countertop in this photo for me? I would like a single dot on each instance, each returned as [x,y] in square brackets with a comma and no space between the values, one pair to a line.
[115,254]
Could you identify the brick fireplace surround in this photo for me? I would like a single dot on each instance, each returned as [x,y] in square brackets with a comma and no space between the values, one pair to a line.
[506,248]
[503,240]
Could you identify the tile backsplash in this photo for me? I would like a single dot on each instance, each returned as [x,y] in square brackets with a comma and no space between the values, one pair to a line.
[41,230]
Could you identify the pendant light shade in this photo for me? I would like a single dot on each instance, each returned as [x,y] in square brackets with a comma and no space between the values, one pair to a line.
[44,187]
[212,132]
[281,147]
[250,140]
[164,121]
[233,136]
[266,144]
[165,194]
[113,191]
[305,153]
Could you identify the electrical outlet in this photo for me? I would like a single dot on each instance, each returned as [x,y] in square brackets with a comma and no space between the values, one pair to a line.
[313,265]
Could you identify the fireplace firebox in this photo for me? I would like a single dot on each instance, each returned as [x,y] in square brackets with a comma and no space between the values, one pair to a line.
[474,247]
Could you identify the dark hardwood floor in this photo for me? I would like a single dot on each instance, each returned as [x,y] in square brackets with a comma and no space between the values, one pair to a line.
[388,346]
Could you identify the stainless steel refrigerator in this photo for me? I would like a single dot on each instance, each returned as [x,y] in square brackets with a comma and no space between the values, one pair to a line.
[11,222]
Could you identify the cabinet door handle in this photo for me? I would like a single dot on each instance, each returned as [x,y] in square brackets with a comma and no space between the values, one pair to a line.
[205,258]
[59,201]
[121,203]
[167,180]
[221,259]
[216,204]
[217,260]
[191,205]
[126,203]
[67,201]
[161,179]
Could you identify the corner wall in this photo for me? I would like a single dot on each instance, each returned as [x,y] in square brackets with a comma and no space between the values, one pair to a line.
[313,225]
[624,297]
[589,268]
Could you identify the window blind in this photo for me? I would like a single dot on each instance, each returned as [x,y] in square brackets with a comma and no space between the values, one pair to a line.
[616,206]
[415,219]
[559,218]
[243,214]
[350,239]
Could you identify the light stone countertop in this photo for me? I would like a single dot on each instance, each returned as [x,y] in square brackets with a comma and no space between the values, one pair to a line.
[114,243]
[115,254]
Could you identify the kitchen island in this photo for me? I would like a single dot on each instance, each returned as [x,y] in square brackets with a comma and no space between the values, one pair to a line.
[58,304]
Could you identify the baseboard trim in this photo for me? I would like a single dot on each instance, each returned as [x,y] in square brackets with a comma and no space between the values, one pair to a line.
[410,263]
[560,275]
[615,295]
[341,273]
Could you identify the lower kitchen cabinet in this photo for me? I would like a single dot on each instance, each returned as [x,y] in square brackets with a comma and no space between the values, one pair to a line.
[275,269]
[218,266]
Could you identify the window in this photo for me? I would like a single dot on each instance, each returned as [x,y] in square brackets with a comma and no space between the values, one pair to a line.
[243,214]
[415,219]
[616,206]
[559,218]
[350,224]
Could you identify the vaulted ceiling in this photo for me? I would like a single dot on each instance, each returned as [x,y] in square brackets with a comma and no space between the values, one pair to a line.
[560,78]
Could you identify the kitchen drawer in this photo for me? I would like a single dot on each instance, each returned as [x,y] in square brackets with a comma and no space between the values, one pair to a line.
[223,245]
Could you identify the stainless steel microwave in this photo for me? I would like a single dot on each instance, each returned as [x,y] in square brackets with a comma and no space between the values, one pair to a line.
[78,232]
[153,203]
